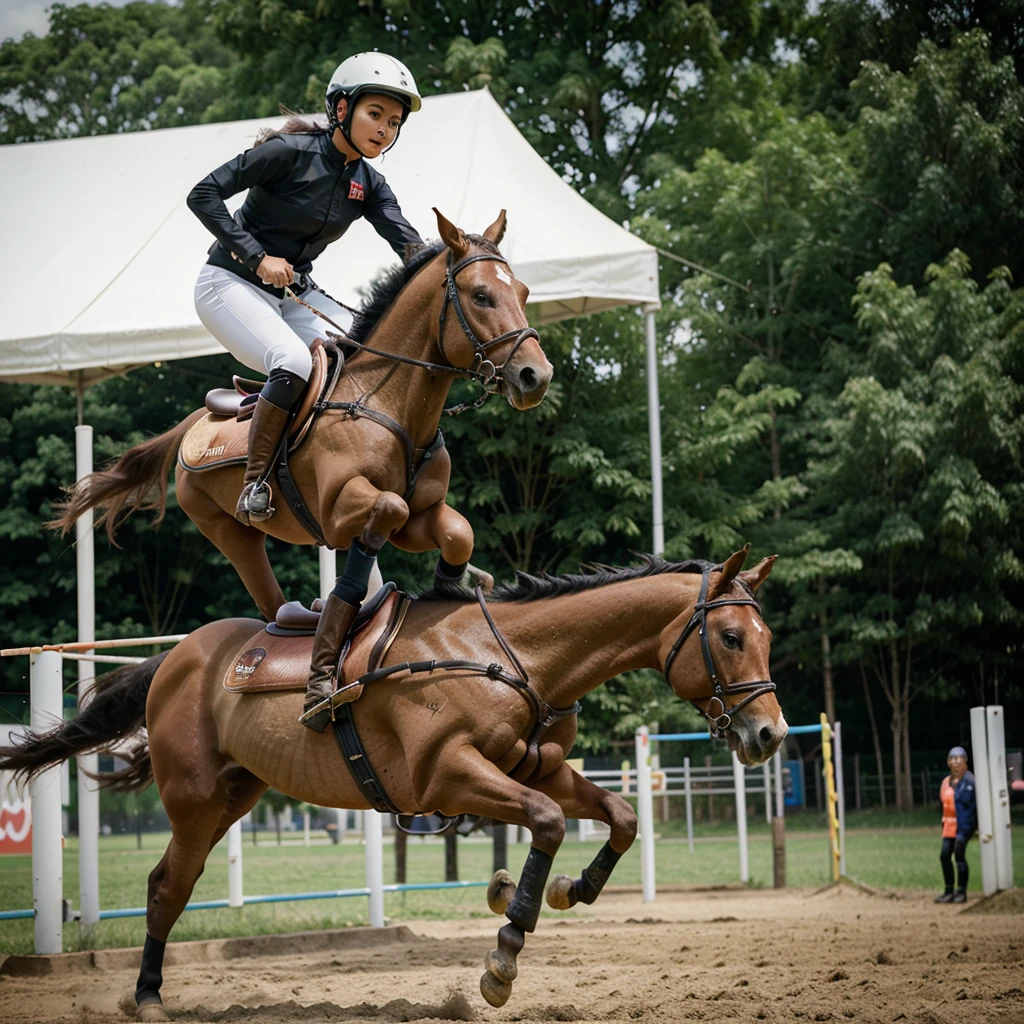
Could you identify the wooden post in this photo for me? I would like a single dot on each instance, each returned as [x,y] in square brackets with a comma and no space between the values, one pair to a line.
[710,783]
[451,856]
[401,844]
[779,851]
[500,859]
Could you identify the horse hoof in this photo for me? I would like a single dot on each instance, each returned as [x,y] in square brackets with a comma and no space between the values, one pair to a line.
[496,992]
[151,1012]
[561,894]
[502,966]
[500,892]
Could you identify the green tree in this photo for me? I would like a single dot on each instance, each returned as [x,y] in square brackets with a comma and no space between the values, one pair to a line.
[105,69]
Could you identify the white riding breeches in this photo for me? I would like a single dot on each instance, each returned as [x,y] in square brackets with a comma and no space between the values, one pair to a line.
[258,329]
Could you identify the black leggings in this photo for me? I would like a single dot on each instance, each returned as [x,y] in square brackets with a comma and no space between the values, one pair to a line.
[954,848]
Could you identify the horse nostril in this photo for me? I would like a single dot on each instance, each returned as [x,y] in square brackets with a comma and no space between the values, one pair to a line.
[528,378]
[765,734]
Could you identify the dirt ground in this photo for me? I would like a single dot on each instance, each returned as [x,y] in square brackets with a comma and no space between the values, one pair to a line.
[735,955]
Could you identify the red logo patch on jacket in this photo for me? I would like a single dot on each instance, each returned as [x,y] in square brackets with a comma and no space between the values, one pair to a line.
[355,191]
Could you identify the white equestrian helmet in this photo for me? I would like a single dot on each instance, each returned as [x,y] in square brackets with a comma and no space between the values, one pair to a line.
[373,72]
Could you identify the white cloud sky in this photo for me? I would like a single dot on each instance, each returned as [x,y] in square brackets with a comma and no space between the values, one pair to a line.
[20,16]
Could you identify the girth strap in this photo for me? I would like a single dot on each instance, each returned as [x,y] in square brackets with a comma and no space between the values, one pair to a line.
[347,734]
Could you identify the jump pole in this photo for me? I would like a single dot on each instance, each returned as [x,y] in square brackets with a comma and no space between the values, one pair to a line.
[235,888]
[373,837]
[1000,795]
[47,699]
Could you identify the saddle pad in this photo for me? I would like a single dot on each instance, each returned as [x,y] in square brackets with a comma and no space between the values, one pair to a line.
[216,441]
[269,661]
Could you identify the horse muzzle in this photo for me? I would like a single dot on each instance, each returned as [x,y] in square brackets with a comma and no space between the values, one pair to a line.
[756,739]
[527,376]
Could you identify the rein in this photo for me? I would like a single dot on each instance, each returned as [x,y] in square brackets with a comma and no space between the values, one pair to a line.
[484,371]
[719,723]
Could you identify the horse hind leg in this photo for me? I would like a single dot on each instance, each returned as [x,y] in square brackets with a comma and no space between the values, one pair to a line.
[243,546]
[171,882]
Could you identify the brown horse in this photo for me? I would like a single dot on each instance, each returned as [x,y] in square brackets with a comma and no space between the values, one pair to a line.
[490,742]
[354,470]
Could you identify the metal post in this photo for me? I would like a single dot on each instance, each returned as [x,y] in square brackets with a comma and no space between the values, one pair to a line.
[688,790]
[235,898]
[654,427]
[837,753]
[645,812]
[739,784]
[373,836]
[88,789]
[46,697]
[768,792]
[328,570]
[1000,796]
[983,792]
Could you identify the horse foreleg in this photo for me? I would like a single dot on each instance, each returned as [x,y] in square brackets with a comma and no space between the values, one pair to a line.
[365,513]
[580,798]
[440,527]
[490,794]
[243,546]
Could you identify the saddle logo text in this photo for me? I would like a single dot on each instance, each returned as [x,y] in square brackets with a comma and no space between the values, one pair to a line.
[212,453]
[248,662]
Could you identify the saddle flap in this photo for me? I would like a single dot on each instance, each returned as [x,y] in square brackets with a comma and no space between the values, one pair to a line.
[221,438]
[273,659]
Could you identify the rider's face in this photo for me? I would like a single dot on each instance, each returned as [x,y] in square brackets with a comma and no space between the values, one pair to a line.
[375,123]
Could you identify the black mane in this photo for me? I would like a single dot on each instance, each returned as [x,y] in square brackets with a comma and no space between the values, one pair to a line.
[538,588]
[384,289]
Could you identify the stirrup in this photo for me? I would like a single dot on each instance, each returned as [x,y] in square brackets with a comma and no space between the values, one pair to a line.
[317,716]
[255,502]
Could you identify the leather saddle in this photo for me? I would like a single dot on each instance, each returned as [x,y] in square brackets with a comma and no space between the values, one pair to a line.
[277,657]
[221,437]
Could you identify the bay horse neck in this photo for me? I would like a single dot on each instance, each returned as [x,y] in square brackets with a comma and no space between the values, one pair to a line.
[408,327]
[573,643]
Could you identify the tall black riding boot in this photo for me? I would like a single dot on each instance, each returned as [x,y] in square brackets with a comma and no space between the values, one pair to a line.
[335,621]
[274,406]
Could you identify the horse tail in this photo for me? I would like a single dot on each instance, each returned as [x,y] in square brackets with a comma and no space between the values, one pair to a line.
[128,484]
[117,709]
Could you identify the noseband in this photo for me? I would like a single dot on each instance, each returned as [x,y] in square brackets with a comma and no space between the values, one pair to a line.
[483,369]
[718,724]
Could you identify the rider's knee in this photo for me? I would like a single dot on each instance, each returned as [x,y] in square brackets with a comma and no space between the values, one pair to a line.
[295,359]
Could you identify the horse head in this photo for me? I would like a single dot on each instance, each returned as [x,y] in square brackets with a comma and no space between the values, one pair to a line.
[723,670]
[489,332]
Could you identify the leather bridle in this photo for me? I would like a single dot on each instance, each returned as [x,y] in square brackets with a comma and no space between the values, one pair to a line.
[483,369]
[718,724]
[489,375]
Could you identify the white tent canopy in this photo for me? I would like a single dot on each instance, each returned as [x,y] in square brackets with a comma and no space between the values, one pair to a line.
[101,253]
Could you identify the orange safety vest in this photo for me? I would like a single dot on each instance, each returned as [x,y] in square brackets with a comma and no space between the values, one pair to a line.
[948,797]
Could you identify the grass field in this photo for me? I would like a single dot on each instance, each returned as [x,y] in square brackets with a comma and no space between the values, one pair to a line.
[882,851]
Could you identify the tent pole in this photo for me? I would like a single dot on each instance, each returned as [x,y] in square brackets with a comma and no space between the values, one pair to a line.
[88,790]
[654,425]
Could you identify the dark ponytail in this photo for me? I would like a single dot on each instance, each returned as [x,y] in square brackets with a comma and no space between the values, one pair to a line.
[295,125]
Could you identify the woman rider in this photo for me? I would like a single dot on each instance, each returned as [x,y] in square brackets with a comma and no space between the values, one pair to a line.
[306,187]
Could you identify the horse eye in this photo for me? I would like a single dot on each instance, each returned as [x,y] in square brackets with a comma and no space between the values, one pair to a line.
[482,299]
[732,641]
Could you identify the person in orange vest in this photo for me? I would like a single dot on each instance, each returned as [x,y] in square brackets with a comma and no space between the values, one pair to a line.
[959,823]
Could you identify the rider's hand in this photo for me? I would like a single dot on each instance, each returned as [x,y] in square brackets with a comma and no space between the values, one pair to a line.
[276,271]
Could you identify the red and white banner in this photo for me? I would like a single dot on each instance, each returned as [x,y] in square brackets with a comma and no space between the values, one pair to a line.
[15,825]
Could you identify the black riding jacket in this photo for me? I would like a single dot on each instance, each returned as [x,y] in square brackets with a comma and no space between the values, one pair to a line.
[302,196]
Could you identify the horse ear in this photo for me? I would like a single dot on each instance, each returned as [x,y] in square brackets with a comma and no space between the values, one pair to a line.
[496,232]
[729,572]
[753,578]
[452,236]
